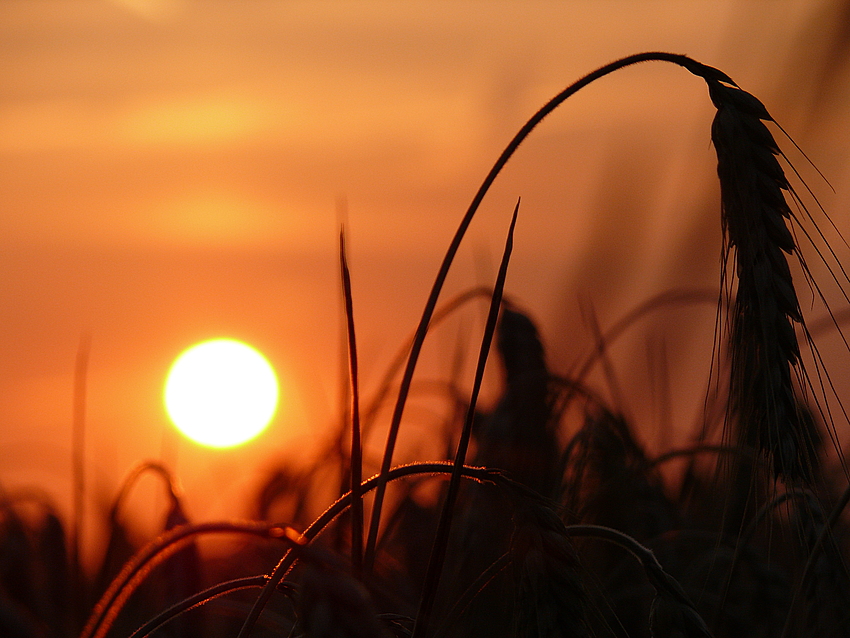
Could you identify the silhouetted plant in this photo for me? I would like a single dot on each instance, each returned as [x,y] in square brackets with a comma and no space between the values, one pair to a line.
[551,531]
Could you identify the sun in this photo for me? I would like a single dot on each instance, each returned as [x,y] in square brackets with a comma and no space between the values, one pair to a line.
[221,393]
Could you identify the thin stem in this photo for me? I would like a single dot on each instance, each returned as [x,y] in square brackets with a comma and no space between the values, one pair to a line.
[133,475]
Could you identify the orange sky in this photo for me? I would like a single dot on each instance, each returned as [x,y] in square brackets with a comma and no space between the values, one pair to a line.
[170,171]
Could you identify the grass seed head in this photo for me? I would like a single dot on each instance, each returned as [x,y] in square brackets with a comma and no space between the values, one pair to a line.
[518,437]
[764,346]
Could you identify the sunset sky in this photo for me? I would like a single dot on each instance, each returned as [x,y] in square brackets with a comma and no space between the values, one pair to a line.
[175,170]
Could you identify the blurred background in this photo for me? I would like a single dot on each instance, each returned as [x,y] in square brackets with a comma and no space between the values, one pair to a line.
[175,170]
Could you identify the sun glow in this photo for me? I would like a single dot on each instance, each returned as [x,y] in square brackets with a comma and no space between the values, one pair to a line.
[221,393]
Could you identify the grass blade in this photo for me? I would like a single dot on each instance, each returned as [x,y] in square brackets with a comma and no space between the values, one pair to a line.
[356,460]
[438,551]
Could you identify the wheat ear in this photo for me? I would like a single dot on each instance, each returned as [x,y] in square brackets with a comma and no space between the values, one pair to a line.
[763,341]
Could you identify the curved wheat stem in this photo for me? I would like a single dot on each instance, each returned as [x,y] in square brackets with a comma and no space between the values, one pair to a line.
[691,65]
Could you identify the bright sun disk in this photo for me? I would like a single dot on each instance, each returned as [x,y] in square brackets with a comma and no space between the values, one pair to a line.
[221,393]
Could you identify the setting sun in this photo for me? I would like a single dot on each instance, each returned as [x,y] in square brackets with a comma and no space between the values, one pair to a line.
[221,393]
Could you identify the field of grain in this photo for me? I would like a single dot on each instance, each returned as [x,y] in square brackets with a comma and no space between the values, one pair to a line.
[545,515]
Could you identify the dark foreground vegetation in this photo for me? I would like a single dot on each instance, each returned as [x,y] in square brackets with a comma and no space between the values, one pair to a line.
[552,520]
